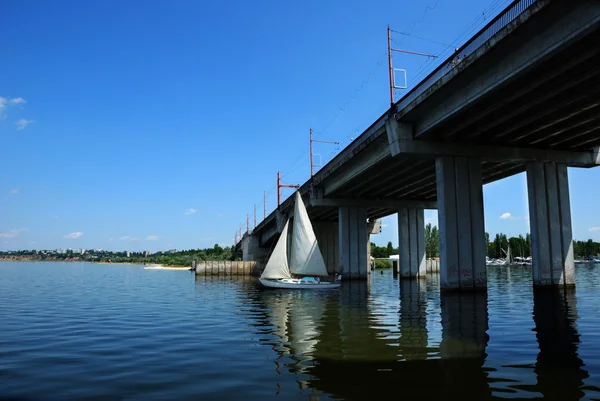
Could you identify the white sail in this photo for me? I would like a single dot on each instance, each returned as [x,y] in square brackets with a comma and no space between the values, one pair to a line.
[277,266]
[306,256]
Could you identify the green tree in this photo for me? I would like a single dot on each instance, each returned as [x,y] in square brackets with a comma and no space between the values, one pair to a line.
[432,241]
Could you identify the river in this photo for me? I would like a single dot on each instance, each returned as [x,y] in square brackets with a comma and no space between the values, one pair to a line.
[74,331]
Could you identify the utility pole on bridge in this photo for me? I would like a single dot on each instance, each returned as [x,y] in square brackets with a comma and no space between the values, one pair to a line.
[391,69]
[280,185]
[312,164]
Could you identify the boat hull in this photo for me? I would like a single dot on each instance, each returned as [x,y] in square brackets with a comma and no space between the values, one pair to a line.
[299,285]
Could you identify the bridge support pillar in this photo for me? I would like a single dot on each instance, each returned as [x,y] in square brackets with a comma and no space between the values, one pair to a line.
[411,235]
[550,219]
[251,251]
[353,239]
[327,237]
[462,231]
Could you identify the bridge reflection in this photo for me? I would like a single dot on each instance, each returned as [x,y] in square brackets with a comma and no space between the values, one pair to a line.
[336,343]
[558,367]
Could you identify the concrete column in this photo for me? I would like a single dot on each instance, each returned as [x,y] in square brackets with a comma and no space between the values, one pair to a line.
[353,237]
[251,250]
[550,222]
[411,235]
[460,215]
[327,237]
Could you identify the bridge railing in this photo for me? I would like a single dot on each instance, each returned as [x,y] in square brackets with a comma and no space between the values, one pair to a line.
[493,27]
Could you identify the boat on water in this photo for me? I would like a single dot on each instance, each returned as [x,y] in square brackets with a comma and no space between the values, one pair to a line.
[305,257]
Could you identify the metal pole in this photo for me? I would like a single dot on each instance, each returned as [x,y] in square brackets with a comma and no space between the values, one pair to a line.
[390,66]
[247,222]
[311,156]
[278,189]
[415,53]
[265,206]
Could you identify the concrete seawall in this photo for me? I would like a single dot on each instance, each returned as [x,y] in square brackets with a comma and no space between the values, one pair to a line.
[228,268]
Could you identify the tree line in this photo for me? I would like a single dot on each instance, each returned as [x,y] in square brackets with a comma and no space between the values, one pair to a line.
[432,245]
[177,258]
[496,247]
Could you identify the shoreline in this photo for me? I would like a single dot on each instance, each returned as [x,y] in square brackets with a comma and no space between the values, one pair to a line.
[163,267]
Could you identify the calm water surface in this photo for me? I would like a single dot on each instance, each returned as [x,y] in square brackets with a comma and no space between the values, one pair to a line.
[103,332]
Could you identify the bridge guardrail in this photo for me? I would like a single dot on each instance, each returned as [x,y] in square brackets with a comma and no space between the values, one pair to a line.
[494,26]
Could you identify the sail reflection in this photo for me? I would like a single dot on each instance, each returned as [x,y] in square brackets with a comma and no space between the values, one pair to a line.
[335,344]
[346,345]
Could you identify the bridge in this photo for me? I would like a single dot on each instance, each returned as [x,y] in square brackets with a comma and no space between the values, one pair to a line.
[522,95]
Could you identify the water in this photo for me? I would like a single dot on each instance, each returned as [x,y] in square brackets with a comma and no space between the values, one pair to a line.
[73,331]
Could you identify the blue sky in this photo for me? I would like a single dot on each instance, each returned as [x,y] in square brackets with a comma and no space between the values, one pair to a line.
[157,125]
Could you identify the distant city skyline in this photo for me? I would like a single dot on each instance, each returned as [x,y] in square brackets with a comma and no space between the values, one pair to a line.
[161,127]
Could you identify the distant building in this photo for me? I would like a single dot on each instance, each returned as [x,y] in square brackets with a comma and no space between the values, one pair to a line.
[127,253]
[146,254]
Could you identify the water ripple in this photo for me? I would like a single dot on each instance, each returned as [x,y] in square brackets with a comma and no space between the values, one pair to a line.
[105,332]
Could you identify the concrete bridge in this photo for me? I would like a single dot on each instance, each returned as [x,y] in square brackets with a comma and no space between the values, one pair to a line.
[522,95]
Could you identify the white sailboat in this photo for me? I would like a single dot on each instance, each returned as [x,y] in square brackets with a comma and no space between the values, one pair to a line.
[306,259]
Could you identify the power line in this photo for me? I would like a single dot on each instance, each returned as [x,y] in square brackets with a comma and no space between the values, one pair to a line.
[465,33]
[419,37]
[353,96]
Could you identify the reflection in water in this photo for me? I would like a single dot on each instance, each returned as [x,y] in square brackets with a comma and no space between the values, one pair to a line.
[345,352]
[558,368]
[464,342]
[336,345]
[228,338]
[413,319]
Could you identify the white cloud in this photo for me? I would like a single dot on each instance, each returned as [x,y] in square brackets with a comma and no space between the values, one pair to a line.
[74,235]
[508,216]
[152,238]
[22,123]
[596,228]
[13,233]
[17,100]
[190,212]
[128,238]
[4,102]
[14,191]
